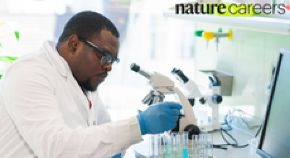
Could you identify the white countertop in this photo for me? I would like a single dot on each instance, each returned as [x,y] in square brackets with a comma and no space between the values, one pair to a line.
[142,151]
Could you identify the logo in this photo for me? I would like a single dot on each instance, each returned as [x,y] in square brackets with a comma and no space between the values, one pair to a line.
[222,9]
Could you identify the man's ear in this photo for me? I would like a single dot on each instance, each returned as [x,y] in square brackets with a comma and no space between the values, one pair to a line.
[73,43]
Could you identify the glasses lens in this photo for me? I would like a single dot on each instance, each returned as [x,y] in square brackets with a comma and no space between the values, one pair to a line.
[106,60]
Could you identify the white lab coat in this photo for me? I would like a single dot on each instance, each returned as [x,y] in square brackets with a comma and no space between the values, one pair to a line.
[44,113]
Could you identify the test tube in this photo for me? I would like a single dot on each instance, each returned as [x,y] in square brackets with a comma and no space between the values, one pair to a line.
[179,145]
[203,146]
[173,145]
[209,144]
[185,144]
[190,148]
[161,147]
[195,146]
[205,143]
[157,146]
[167,140]
[151,146]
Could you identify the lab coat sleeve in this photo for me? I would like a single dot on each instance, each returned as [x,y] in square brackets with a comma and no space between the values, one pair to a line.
[34,110]
[102,116]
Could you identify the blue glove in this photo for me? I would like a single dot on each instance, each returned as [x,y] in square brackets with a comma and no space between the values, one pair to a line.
[159,117]
[117,156]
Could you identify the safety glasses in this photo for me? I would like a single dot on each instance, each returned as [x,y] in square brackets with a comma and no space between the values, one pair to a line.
[107,57]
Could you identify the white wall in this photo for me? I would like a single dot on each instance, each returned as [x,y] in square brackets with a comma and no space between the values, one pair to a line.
[34,29]
[248,57]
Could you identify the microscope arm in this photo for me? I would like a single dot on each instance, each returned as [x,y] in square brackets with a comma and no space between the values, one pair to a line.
[189,117]
[187,111]
[214,112]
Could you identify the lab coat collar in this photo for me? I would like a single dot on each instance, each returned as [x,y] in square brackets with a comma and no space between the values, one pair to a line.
[61,65]
[57,61]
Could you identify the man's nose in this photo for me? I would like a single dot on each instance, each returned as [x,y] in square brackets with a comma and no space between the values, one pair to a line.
[108,67]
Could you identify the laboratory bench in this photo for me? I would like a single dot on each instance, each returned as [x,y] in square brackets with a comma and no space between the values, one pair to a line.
[141,150]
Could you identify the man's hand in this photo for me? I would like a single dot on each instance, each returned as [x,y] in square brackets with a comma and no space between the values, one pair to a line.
[159,117]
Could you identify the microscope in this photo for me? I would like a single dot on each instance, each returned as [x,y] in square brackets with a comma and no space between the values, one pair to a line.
[163,85]
[189,88]
[211,97]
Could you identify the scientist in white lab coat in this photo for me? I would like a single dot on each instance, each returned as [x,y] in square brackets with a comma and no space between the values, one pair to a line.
[49,105]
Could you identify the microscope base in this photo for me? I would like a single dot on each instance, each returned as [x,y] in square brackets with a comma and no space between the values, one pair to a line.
[209,127]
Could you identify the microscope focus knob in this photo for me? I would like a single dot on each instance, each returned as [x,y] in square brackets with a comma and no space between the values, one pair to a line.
[201,100]
[192,130]
[217,99]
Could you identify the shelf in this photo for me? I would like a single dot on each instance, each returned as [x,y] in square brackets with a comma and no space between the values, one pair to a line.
[263,24]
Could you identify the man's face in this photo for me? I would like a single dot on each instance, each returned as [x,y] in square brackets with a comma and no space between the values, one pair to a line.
[86,64]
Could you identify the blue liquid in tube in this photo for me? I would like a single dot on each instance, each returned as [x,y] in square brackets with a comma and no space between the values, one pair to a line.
[185,153]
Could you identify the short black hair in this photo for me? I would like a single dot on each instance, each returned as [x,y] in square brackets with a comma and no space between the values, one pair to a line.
[87,24]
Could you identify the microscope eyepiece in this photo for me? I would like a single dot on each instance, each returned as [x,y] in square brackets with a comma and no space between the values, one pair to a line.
[180,75]
[135,67]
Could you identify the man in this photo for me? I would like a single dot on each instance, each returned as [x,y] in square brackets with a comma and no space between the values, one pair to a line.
[49,105]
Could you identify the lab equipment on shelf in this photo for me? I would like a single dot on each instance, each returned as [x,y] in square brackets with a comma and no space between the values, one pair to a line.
[211,35]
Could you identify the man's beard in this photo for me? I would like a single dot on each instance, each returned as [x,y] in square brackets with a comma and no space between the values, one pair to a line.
[87,85]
